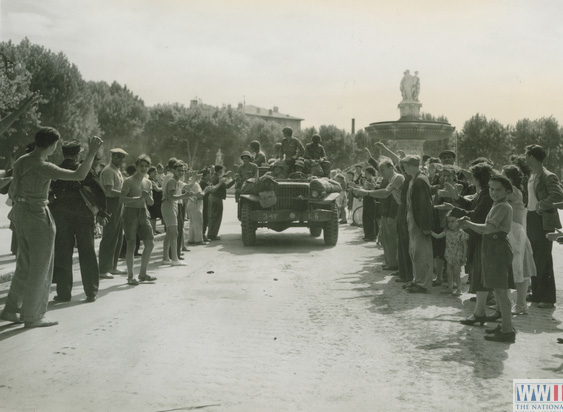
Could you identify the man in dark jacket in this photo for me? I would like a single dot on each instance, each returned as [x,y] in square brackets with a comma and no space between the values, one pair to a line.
[74,209]
[544,190]
[419,219]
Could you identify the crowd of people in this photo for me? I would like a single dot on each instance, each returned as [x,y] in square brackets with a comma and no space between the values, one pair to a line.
[432,219]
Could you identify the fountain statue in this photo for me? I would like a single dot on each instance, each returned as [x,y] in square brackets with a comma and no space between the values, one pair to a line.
[410,132]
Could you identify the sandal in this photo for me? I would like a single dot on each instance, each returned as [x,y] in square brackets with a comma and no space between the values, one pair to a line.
[146,278]
[132,282]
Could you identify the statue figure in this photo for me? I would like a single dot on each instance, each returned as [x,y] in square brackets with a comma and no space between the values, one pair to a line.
[415,86]
[219,158]
[406,85]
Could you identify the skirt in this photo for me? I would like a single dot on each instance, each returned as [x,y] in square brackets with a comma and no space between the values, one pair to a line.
[496,261]
[523,265]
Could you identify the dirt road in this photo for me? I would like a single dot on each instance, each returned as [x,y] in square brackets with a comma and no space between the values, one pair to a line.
[289,325]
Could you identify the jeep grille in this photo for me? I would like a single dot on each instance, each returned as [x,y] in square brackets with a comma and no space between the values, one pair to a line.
[287,197]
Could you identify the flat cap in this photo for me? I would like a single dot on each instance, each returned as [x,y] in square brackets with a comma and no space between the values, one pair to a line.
[118,150]
[447,153]
[411,160]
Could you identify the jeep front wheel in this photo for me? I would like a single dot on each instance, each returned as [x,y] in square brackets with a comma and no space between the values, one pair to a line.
[248,228]
[330,228]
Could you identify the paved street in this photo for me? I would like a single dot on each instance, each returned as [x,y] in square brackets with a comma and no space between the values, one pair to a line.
[288,325]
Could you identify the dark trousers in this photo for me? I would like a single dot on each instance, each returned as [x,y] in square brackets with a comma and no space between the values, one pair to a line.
[368,218]
[112,237]
[181,222]
[543,285]
[75,226]
[405,262]
[215,216]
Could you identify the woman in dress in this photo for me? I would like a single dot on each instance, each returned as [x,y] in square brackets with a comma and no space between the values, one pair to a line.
[195,210]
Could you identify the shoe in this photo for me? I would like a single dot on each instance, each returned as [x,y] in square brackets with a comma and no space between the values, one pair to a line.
[473,320]
[531,298]
[545,305]
[368,239]
[407,285]
[106,276]
[205,239]
[10,317]
[57,298]
[165,263]
[177,263]
[494,317]
[146,278]
[436,282]
[499,336]
[185,249]
[91,298]
[41,323]
[520,310]
[132,282]
[118,272]
[400,280]
[180,257]
[492,331]
[391,268]
[456,292]
[343,222]
[395,273]
[215,238]
[416,289]
[137,254]
[473,299]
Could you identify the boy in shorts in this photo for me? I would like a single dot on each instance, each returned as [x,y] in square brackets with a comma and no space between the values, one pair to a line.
[136,193]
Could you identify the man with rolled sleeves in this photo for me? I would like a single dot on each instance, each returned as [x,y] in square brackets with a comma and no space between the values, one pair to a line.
[291,149]
[544,189]
[75,221]
[112,238]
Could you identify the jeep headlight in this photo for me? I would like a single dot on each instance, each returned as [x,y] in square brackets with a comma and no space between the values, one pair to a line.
[314,193]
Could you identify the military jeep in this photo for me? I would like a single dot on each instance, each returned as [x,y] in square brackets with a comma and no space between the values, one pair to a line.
[296,206]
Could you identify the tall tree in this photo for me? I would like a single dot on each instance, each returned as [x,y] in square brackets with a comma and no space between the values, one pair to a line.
[484,138]
[545,132]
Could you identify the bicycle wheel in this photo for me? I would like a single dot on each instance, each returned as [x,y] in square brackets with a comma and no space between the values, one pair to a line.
[357,216]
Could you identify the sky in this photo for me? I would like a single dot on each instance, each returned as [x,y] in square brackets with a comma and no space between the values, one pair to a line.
[324,61]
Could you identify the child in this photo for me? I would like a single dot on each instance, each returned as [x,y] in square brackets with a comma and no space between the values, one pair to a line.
[455,253]
[497,255]
[136,193]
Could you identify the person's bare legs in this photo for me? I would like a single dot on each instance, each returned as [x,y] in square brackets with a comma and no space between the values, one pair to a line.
[504,305]
[169,245]
[148,246]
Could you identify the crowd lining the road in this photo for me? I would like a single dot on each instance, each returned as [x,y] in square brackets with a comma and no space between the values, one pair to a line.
[431,218]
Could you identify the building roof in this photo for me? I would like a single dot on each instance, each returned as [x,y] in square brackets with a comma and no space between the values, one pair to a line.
[266,113]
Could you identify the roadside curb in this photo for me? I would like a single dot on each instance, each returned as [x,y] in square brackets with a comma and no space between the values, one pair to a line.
[7,275]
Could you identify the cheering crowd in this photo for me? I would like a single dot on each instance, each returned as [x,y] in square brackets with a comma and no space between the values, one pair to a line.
[435,218]
[432,219]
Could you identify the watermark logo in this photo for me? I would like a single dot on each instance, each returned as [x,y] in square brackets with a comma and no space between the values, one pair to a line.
[537,395]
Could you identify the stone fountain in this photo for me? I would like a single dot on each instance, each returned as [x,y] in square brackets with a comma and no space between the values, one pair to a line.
[410,132]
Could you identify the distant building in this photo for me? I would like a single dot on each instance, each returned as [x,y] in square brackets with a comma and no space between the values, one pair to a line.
[271,115]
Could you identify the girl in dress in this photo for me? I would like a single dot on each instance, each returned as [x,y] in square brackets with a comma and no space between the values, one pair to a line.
[455,253]
[496,254]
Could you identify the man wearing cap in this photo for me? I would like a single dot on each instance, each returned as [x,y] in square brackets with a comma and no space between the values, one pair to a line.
[291,148]
[447,157]
[112,238]
[245,171]
[315,151]
[75,218]
[419,221]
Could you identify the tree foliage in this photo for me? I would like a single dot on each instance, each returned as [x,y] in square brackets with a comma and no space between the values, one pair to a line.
[481,137]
